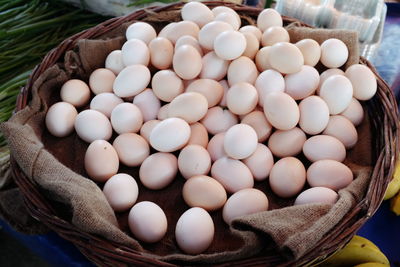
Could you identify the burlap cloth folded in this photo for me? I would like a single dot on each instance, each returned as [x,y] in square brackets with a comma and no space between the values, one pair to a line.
[55,166]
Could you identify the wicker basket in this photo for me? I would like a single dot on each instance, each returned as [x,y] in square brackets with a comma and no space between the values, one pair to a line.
[384,117]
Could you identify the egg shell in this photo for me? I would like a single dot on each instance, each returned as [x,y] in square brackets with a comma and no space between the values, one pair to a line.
[101,161]
[194,160]
[170,135]
[334,53]
[158,170]
[212,90]
[60,119]
[166,85]
[204,192]
[166,30]
[242,69]
[287,143]
[244,202]
[262,59]
[337,92]
[218,120]
[320,147]
[75,92]
[216,147]
[147,222]
[329,173]
[121,191]
[273,35]
[189,106]
[285,58]
[189,40]
[320,195]
[242,98]
[131,81]
[354,112]
[126,118]
[146,129]
[253,30]
[260,124]
[268,18]
[101,81]
[311,51]
[132,149]
[161,53]
[224,9]
[314,115]
[91,125]
[326,74]
[210,31]
[197,12]
[341,128]
[225,85]
[363,81]
[105,103]
[180,29]
[229,18]
[240,141]
[269,81]
[260,162]
[194,231]
[233,174]
[229,45]
[281,110]
[287,177]
[148,103]
[213,67]
[301,84]
[252,45]
[134,52]
[163,112]
[198,135]
[187,62]
[114,62]
[142,31]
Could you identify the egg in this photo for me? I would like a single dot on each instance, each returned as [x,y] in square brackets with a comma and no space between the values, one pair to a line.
[75,92]
[114,62]
[301,84]
[281,110]
[210,31]
[212,90]
[142,31]
[342,129]
[91,125]
[146,129]
[189,106]
[269,81]
[354,112]
[242,69]
[131,81]
[182,28]
[244,202]
[126,118]
[101,81]
[161,53]
[189,40]
[337,92]
[329,173]
[363,81]
[233,174]
[320,195]
[197,12]
[240,141]
[194,160]
[314,115]
[105,103]
[262,59]
[218,120]
[285,58]
[216,147]
[287,143]
[121,191]
[170,135]
[148,103]
[213,67]
[268,18]
[224,9]
[242,98]
[132,149]
[253,30]
[101,161]
[187,62]
[334,53]
[134,52]
[60,119]
[163,112]
[158,170]
[320,147]
[229,18]
[167,29]
[198,135]
[311,51]
[326,74]
[204,192]
[229,45]
[166,85]
[225,85]
[287,177]
[273,35]
[260,124]
[252,45]
[194,231]
[148,222]
[260,162]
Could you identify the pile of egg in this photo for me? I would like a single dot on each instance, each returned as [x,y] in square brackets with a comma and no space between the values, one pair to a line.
[209,78]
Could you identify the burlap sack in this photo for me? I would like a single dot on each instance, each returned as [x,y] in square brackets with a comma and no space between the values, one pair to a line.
[56,166]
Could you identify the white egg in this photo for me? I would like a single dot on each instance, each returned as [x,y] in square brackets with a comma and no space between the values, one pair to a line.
[91,125]
[126,118]
[131,81]
[197,12]
[337,92]
[269,81]
[268,18]
[363,81]
[105,103]
[170,135]
[230,18]
[354,112]
[218,120]
[213,67]
[148,104]
[210,31]
[229,45]
[142,31]
[281,110]
[253,30]
[334,53]
[134,52]
[314,115]
[301,84]
[75,92]
[240,141]
[121,191]
[60,119]
[114,62]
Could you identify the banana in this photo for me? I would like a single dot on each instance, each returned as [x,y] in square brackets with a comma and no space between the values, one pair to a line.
[362,240]
[395,204]
[371,264]
[394,185]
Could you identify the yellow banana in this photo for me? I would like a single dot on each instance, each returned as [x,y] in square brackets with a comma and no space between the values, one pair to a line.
[395,204]
[362,240]
[372,264]
[394,185]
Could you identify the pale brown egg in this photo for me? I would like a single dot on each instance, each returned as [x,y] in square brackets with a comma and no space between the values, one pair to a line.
[180,29]
[229,18]
[135,52]
[91,125]
[334,53]
[260,162]
[148,103]
[260,124]
[216,147]
[268,18]
[114,62]
[142,31]
[75,92]
[163,112]
[314,115]
[170,135]
[225,85]
[101,161]
[341,128]
[218,120]
[273,35]
[337,92]
[189,40]
[363,81]
[131,81]
[213,67]
[242,98]
[161,53]
[311,51]
[252,45]
[269,81]
[287,143]
[165,31]
[240,141]
[101,81]
[166,85]
[132,149]
[326,74]
[194,160]
[281,110]
[197,12]
[262,59]
[146,129]
[354,112]
[229,45]
[253,30]
[105,103]
[187,62]
[210,31]
[224,9]
[60,119]
[198,135]
[121,191]
[242,69]
[190,106]
[285,58]
[320,147]
[301,84]
[320,195]
[329,173]
[211,89]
